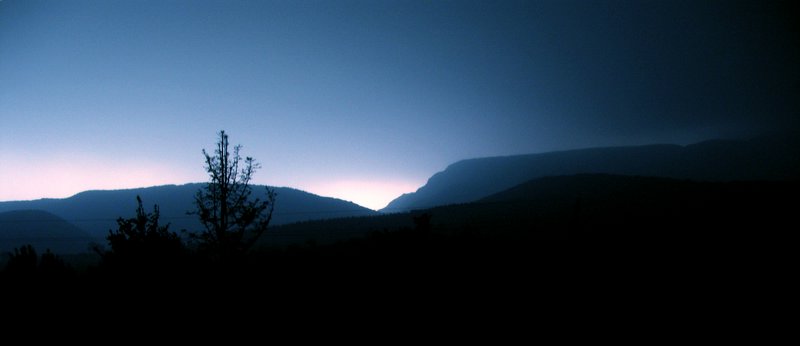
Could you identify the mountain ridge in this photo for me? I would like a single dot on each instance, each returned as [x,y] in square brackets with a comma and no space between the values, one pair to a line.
[761,158]
[96,211]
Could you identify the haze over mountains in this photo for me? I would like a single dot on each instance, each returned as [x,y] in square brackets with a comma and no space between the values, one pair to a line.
[775,157]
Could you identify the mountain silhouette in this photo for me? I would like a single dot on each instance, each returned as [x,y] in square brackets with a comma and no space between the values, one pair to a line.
[96,212]
[41,229]
[584,206]
[775,157]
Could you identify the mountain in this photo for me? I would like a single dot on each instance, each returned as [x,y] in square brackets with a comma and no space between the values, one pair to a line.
[97,211]
[585,206]
[41,229]
[774,157]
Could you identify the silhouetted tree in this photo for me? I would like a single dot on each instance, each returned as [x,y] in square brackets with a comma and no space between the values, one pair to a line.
[232,218]
[142,243]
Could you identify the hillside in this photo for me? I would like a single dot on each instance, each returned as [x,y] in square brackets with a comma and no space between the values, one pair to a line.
[587,206]
[632,207]
[41,229]
[764,158]
[97,211]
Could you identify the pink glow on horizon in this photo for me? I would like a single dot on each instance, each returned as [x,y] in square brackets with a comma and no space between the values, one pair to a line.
[72,174]
[373,194]
[64,178]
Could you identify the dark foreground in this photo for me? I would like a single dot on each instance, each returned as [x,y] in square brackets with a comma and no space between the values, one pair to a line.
[564,226]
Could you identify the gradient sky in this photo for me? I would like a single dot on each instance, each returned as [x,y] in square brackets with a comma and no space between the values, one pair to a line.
[364,100]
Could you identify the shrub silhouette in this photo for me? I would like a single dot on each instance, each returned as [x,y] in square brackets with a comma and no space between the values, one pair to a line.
[141,243]
[25,264]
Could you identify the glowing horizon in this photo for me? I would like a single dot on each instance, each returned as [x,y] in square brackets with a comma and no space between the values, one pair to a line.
[374,195]
[66,178]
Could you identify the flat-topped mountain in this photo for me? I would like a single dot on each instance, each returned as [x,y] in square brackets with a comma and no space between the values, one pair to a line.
[763,158]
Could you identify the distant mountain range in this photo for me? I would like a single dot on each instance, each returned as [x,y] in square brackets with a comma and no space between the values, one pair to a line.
[774,157]
[94,213]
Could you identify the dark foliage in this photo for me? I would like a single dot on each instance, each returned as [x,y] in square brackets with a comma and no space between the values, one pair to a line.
[23,261]
[23,264]
[142,244]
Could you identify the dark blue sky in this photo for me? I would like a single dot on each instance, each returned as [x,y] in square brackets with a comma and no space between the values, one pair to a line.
[364,100]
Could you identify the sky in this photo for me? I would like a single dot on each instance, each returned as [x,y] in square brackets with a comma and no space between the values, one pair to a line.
[365,100]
